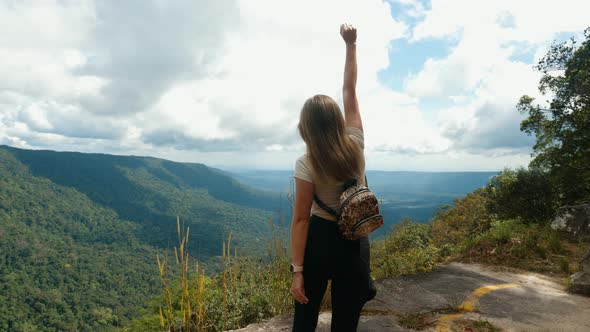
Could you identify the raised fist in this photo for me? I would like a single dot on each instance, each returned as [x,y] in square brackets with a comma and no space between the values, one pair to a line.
[348,33]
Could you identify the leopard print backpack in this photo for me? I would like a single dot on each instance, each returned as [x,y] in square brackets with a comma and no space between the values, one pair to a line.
[359,210]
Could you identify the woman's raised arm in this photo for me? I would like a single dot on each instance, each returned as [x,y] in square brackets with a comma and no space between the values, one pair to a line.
[352,113]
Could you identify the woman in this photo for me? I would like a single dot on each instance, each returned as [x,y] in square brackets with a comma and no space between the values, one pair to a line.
[334,154]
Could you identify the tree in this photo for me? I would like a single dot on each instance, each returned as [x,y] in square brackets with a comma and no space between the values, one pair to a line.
[562,131]
[521,193]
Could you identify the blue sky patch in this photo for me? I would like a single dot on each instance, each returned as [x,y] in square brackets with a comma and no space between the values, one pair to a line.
[399,10]
[523,52]
[409,57]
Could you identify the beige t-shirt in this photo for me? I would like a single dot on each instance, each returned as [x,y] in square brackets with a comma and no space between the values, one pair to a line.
[328,191]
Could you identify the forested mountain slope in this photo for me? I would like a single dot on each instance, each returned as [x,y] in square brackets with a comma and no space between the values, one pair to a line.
[65,262]
[79,233]
[153,192]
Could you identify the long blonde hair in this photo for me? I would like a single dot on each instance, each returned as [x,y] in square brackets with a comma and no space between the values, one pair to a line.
[332,152]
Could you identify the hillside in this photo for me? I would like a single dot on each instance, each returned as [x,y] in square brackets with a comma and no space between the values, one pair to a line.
[80,233]
[67,263]
[152,192]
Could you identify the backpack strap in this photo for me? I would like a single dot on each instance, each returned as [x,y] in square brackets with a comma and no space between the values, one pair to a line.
[347,184]
[324,206]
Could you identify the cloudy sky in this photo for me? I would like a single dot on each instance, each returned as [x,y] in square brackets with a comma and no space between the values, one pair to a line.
[222,82]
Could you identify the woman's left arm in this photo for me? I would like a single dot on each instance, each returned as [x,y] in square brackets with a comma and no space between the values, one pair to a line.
[299,227]
[352,114]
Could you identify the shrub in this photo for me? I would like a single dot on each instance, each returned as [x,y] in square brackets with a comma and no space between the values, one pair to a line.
[524,193]
[407,250]
[514,243]
[468,217]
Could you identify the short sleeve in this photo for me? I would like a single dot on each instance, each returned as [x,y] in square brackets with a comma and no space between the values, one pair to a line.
[357,135]
[302,170]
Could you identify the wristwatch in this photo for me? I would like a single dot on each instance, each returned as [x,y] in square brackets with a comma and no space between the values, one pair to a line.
[296,268]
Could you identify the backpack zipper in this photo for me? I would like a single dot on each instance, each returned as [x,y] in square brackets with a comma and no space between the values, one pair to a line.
[353,195]
[364,221]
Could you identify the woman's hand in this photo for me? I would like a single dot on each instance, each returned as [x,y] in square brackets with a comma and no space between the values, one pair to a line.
[297,288]
[348,33]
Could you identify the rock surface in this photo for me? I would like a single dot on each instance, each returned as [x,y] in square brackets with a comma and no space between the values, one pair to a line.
[536,303]
[585,262]
[581,280]
[573,219]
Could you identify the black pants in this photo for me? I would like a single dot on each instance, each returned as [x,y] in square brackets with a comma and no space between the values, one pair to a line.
[328,256]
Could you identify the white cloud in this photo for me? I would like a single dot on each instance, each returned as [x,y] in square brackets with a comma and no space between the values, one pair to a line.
[481,68]
[446,162]
[398,128]
[218,81]
[189,75]
[529,20]
[276,60]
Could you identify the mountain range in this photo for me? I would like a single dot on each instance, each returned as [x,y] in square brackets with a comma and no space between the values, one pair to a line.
[79,232]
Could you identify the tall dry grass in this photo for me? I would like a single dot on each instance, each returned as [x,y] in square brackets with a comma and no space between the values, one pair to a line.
[247,290]
[184,311]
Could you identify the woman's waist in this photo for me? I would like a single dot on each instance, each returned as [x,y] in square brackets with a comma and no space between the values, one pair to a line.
[322,217]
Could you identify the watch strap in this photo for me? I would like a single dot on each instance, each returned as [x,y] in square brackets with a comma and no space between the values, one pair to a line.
[296,268]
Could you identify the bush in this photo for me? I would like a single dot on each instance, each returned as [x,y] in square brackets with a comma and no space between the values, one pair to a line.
[468,217]
[514,243]
[522,193]
[407,250]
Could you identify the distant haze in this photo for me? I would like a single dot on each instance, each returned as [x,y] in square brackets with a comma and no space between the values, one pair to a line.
[402,194]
